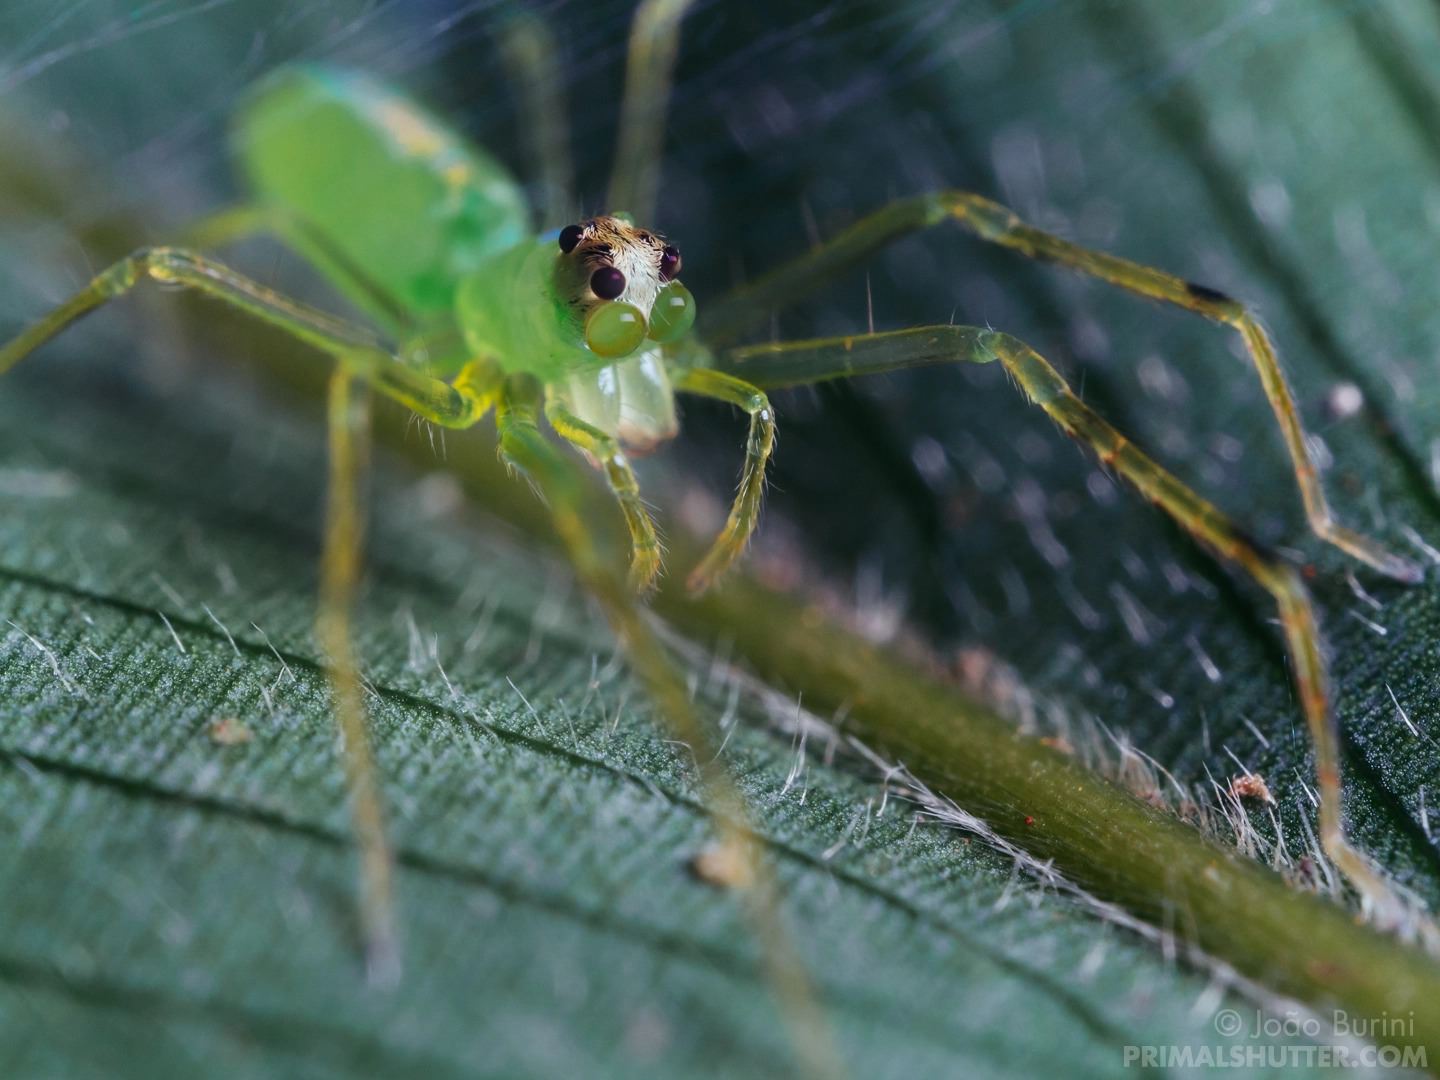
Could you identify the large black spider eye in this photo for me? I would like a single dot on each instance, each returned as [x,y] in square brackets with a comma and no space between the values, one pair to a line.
[607,283]
[669,263]
[570,236]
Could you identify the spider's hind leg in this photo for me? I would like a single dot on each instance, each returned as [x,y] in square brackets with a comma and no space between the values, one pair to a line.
[532,55]
[604,450]
[650,63]
[745,512]
[802,363]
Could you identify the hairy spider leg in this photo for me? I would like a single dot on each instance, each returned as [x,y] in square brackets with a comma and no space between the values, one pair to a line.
[348,422]
[802,363]
[605,451]
[998,225]
[745,512]
[560,483]
[532,58]
[654,43]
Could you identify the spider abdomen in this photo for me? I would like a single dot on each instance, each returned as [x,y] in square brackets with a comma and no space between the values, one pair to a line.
[377,184]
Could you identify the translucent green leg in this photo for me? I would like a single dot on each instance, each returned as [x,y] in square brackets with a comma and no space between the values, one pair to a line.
[559,481]
[805,362]
[532,58]
[654,42]
[992,222]
[644,546]
[349,427]
[745,512]
[457,405]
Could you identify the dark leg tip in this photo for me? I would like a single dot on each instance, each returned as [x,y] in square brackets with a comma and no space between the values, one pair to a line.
[1207,294]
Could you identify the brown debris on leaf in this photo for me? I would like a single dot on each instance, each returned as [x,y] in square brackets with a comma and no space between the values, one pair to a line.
[1251,786]
[229,731]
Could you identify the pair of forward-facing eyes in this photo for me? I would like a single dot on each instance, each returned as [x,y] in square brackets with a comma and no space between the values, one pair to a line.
[608,282]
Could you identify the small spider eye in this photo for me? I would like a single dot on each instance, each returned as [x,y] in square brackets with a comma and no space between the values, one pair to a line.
[669,263]
[607,283]
[569,237]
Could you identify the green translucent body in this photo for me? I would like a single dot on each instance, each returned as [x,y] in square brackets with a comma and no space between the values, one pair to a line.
[379,182]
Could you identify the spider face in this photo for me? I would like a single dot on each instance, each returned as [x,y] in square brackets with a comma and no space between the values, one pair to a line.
[620,282]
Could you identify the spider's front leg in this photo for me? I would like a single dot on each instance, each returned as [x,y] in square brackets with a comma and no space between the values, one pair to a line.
[605,451]
[997,224]
[803,363]
[745,512]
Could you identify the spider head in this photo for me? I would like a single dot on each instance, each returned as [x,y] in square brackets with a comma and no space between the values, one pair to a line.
[620,282]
